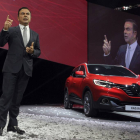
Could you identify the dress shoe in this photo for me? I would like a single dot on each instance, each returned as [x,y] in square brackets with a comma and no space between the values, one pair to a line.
[15,129]
[1,131]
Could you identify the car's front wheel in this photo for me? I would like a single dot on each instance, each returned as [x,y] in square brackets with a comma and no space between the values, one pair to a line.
[67,103]
[89,111]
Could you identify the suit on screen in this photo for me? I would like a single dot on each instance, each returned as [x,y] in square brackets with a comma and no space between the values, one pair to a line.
[120,59]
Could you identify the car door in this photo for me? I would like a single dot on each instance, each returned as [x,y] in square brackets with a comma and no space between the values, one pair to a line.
[70,81]
[78,83]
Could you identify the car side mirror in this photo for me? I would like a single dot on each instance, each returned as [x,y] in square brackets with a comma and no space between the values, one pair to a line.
[79,74]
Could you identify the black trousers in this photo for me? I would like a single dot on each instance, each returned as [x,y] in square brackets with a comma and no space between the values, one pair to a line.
[14,85]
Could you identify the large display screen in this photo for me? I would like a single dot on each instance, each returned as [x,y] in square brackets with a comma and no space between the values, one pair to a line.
[61,25]
[105,21]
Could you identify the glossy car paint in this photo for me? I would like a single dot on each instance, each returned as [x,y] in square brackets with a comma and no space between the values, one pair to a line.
[77,85]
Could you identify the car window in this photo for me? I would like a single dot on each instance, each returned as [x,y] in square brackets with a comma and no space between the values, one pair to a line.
[110,70]
[73,72]
[82,68]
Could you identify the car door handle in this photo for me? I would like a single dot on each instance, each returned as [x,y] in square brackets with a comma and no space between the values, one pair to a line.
[68,81]
[74,82]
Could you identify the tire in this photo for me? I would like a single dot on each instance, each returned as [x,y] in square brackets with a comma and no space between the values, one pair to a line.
[67,103]
[89,111]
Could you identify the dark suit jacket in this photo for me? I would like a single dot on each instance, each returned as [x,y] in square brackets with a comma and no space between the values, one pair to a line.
[17,56]
[120,59]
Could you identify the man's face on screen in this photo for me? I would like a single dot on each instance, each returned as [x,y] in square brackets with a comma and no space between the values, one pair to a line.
[129,33]
[24,17]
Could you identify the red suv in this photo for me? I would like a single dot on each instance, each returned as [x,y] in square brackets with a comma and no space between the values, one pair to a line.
[102,87]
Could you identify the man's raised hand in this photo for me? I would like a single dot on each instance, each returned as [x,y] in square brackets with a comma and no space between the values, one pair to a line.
[8,23]
[106,46]
[30,49]
[32,46]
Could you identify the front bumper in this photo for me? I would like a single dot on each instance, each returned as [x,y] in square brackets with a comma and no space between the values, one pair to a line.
[112,104]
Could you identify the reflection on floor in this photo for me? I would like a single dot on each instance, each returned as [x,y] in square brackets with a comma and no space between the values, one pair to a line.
[77,113]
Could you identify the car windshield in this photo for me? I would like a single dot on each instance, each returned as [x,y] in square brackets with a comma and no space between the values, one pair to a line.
[109,70]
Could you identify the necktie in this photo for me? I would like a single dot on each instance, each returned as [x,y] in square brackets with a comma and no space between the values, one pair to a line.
[25,36]
[128,57]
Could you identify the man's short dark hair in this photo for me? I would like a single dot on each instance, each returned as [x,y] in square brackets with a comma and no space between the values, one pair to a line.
[22,8]
[135,26]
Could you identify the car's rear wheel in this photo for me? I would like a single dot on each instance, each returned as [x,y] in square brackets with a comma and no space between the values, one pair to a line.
[89,111]
[67,103]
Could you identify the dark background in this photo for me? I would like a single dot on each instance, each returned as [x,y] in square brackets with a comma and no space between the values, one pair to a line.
[47,83]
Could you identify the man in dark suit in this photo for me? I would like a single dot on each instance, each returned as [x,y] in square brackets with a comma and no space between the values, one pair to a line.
[128,55]
[23,47]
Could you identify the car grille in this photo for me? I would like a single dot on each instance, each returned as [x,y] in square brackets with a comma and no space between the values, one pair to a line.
[131,90]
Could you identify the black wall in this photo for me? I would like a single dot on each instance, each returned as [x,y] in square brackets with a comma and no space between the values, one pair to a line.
[47,83]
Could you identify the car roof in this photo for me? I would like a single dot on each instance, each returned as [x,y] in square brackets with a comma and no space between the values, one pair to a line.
[100,65]
[106,65]
[85,64]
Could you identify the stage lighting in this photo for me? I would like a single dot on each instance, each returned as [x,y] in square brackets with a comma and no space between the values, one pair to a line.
[127,7]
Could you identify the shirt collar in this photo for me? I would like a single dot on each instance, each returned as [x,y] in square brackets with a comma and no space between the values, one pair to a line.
[133,46]
[22,26]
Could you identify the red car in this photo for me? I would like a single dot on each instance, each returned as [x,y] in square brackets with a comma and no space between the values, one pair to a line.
[101,87]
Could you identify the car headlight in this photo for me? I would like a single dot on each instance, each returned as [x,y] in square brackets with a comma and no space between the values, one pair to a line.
[103,83]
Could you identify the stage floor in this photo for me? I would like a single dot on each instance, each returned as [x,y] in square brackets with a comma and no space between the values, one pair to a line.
[53,122]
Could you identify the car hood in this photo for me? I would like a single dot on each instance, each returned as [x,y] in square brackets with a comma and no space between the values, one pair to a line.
[118,79]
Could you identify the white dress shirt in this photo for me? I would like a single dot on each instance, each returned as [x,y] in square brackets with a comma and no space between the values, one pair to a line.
[132,50]
[28,31]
